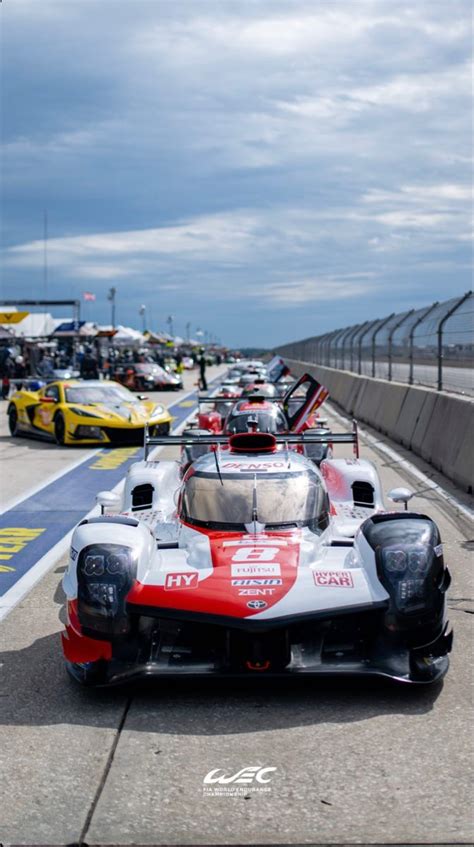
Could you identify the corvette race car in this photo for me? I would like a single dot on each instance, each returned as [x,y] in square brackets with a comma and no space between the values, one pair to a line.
[92,412]
[255,564]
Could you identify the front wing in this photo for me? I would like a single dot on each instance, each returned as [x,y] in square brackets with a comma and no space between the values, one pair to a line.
[352,644]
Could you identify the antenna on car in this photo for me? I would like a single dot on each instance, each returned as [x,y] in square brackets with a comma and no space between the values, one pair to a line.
[146,436]
[254,504]
[217,464]
[355,432]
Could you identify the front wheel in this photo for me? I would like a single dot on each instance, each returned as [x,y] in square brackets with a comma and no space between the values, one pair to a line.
[59,430]
[13,421]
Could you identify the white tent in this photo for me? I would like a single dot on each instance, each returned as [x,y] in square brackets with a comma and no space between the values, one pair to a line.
[128,337]
[37,325]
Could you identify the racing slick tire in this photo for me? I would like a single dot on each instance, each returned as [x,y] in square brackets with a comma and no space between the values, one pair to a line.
[13,420]
[59,429]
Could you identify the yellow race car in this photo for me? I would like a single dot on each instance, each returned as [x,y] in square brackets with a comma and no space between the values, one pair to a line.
[90,412]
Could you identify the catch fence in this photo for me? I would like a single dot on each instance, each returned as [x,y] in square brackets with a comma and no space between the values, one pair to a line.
[432,346]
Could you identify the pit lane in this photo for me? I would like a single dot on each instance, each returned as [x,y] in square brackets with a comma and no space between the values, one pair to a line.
[355,762]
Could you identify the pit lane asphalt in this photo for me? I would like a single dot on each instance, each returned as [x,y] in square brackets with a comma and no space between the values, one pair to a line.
[355,762]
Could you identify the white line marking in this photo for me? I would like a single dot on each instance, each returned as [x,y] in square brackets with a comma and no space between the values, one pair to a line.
[404,463]
[27,582]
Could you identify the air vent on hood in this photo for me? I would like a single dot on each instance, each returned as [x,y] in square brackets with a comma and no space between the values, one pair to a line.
[363,494]
[142,497]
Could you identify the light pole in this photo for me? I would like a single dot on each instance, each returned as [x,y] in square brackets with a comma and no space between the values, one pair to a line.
[169,321]
[188,331]
[142,312]
[111,297]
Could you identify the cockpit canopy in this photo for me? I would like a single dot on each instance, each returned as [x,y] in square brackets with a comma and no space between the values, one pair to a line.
[246,416]
[234,501]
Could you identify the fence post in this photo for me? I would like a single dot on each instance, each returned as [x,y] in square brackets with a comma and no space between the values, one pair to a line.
[328,349]
[440,335]
[317,350]
[336,341]
[320,349]
[361,338]
[374,336]
[353,336]
[360,328]
[390,339]
[412,335]
[343,347]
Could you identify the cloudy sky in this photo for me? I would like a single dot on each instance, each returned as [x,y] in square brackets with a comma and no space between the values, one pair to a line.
[264,169]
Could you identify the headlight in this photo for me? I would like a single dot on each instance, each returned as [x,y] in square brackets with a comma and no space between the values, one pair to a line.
[105,574]
[158,410]
[409,560]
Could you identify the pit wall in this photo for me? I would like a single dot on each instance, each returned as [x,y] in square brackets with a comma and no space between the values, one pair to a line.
[433,424]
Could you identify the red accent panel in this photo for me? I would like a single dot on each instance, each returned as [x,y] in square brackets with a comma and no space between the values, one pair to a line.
[252,442]
[211,421]
[250,406]
[73,617]
[80,648]
[257,667]
[245,569]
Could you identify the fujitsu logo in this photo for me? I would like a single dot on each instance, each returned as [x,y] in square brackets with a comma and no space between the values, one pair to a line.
[246,776]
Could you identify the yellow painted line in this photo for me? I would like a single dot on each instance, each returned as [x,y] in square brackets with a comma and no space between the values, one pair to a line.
[186,404]
[13,539]
[112,460]
[26,532]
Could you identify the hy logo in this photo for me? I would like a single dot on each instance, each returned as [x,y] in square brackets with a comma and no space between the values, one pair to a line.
[246,776]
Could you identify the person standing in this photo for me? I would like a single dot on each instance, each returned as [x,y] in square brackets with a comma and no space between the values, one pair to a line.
[202,370]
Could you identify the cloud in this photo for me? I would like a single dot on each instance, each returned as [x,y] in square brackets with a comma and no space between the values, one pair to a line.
[252,153]
[321,289]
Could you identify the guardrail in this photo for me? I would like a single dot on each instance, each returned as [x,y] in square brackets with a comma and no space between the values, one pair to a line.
[433,346]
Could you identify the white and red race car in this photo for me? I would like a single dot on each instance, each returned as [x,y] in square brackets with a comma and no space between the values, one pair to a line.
[255,563]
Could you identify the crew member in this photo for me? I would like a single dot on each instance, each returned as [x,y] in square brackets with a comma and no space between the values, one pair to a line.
[202,370]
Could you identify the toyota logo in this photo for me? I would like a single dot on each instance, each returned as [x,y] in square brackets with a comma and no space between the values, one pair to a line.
[256,604]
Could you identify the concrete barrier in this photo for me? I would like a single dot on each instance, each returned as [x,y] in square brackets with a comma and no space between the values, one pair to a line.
[409,415]
[434,425]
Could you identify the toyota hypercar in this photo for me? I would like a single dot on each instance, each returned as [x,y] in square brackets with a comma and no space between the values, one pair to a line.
[255,564]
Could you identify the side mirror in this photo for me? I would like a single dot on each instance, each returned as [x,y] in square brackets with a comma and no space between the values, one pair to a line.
[142,396]
[107,500]
[47,400]
[401,495]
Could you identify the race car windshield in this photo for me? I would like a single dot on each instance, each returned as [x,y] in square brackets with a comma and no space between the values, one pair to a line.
[283,501]
[271,421]
[86,395]
[146,368]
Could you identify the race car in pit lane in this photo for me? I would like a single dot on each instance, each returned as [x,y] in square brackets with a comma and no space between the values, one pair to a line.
[255,564]
[263,412]
[82,413]
[147,376]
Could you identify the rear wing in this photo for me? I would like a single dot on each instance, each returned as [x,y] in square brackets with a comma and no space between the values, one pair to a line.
[309,437]
[231,401]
